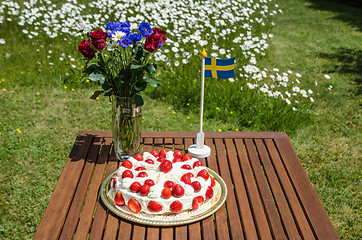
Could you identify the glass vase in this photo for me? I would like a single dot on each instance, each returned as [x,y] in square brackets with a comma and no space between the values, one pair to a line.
[126,127]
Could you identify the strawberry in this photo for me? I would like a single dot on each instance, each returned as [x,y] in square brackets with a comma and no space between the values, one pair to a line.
[150,182]
[144,190]
[168,184]
[138,157]
[186,166]
[196,185]
[197,201]
[176,206]
[177,159]
[178,153]
[127,164]
[150,161]
[140,168]
[166,193]
[142,174]
[204,174]
[154,206]
[118,199]
[161,159]
[186,157]
[135,187]
[178,191]
[114,181]
[134,205]
[209,193]
[163,153]
[197,164]
[212,182]
[186,179]
[154,153]
[127,174]
[166,166]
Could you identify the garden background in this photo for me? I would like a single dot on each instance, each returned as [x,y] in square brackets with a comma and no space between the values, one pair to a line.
[298,70]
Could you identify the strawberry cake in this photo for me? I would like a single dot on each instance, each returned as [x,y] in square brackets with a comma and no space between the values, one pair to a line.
[164,182]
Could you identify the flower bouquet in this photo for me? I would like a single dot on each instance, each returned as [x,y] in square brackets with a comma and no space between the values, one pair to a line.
[122,67]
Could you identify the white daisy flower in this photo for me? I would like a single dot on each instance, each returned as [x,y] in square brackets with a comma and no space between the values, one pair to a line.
[214,55]
[296,89]
[177,63]
[113,45]
[2,41]
[222,51]
[327,76]
[117,35]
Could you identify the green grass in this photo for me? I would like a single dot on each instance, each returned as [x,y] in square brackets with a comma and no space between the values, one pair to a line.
[311,37]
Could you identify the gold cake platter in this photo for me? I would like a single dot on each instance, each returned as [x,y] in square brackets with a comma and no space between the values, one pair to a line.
[205,210]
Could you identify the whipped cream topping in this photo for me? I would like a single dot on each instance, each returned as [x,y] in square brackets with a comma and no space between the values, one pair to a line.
[155,192]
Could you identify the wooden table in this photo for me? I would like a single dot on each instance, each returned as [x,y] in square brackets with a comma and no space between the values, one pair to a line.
[269,193]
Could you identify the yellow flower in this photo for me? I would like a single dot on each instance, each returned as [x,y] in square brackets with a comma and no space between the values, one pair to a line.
[188,104]
[65,98]
[87,80]
[38,100]
[18,130]
[231,112]
[73,89]
[3,80]
[21,72]
[39,70]
[217,108]
[236,129]
[4,89]
[169,107]
[173,112]
[65,87]
[219,130]
[249,121]
[188,117]
[37,94]
[97,98]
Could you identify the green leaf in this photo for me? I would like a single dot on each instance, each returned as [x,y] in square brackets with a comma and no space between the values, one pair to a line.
[94,68]
[97,77]
[138,99]
[152,82]
[137,52]
[106,86]
[96,94]
[150,68]
[134,66]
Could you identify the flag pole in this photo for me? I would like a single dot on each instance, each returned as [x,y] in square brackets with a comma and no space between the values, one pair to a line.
[200,150]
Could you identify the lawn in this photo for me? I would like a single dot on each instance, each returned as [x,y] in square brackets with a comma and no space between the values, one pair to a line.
[43,106]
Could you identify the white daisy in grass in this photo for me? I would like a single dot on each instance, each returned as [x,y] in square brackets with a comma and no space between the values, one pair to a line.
[177,63]
[296,89]
[214,47]
[222,51]
[185,61]
[214,55]
[117,35]
[327,76]
[288,101]
[174,49]
[2,41]
[298,75]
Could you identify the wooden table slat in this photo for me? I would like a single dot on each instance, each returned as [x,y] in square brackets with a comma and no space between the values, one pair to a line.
[269,193]
[55,214]
[231,205]
[312,206]
[240,191]
[86,218]
[257,208]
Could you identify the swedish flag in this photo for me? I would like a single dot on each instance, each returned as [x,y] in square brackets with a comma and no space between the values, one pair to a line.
[219,68]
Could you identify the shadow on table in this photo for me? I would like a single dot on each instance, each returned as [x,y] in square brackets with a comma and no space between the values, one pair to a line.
[349,11]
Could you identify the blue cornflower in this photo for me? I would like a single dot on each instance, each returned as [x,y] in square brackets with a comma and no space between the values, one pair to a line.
[118,26]
[135,37]
[125,41]
[145,29]
[110,26]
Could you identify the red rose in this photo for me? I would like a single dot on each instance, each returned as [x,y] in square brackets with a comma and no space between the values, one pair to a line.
[98,38]
[86,49]
[155,40]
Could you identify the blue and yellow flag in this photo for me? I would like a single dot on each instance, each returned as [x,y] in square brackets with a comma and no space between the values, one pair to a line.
[219,68]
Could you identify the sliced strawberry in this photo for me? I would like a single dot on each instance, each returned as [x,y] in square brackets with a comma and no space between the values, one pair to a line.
[150,161]
[163,153]
[138,157]
[186,166]
[166,193]
[127,174]
[140,168]
[144,190]
[178,153]
[142,174]
[135,187]
[209,193]
[118,199]
[114,181]
[196,186]
[204,174]
[127,164]
[176,206]
[212,182]
[197,201]
[161,159]
[177,159]
[186,157]
[134,205]
[169,184]
[178,191]
[154,206]
[166,166]
[150,182]
[197,164]
[154,153]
